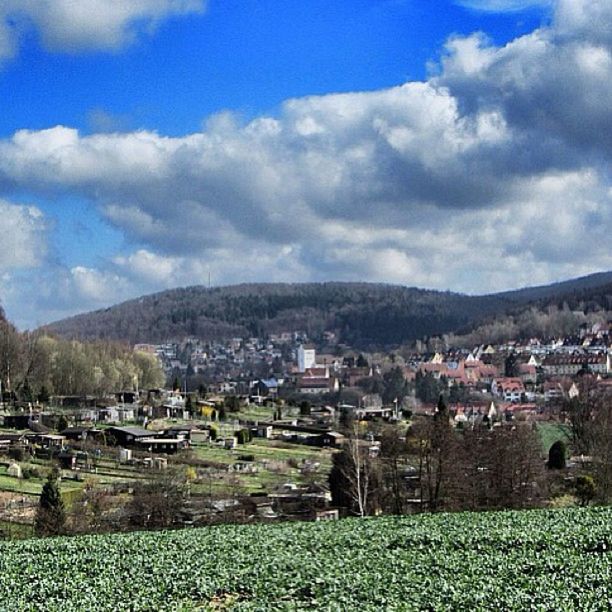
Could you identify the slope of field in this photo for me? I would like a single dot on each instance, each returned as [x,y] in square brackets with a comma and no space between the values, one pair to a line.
[535,560]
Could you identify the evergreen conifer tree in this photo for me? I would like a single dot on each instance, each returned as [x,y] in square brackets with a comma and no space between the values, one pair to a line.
[51,513]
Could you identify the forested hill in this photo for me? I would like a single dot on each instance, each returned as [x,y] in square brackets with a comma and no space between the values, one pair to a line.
[361,314]
[581,287]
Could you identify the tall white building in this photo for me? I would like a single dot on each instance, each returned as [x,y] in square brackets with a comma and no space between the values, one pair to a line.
[306,357]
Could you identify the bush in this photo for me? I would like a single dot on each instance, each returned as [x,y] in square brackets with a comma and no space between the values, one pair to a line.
[585,489]
[243,436]
[563,501]
[30,472]
[17,453]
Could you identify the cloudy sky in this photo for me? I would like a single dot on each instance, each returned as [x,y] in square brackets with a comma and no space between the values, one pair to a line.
[462,145]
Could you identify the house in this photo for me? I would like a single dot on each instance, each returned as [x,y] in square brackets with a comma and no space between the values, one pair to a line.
[553,392]
[509,389]
[326,514]
[528,372]
[199,436]
[24,420]
[11,440]
[109,414]
[49,441]
[80,433]
[129,436]
[179,431]
[161,444]
[127,397]
[331,438]
[570,365]
[67,460]
[316,380]
[314,385]
[264,431]
[74,401]
[265,387]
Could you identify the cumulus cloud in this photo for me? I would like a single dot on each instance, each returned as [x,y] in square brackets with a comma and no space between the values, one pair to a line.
[83,25]
[24,240]
[24,235]
[492,173]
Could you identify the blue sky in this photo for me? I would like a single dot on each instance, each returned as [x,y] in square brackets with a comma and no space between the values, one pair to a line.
[243,55]
[146,144]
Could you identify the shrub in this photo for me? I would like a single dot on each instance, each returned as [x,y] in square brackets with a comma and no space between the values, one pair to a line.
[563,501]
[585,489]
[244,436]
[30,472]
[16,453]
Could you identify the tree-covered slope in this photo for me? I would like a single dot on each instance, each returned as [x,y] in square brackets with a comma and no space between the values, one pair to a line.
[361,314]
[582,286]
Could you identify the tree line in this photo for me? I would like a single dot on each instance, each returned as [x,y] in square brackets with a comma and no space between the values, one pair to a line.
[34,366]
[434,466]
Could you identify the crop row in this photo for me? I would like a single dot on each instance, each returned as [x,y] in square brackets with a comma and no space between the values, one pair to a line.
[535,560]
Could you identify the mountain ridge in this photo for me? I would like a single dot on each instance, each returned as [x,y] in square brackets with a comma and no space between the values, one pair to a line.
[361,314]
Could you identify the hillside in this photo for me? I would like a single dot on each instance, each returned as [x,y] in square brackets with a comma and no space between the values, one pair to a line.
[583,285]
[537,560]
[361,314]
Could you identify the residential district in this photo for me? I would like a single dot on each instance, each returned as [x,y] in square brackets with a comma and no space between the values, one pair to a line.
[281,428]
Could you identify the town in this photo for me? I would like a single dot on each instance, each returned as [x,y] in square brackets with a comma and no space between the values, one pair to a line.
[288,428]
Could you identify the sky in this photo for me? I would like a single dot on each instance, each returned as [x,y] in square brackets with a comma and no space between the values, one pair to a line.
[447,144]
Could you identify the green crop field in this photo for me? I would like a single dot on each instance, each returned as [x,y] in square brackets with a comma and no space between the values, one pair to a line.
[533,560]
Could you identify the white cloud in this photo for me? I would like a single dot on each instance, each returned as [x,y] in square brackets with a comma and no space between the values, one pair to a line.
[23,233]
[83,25]
[493,173]
[96,286]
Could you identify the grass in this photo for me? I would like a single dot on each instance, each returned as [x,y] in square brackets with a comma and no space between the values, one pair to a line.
[31,486]
[264,453]
[254,413]
[16,531]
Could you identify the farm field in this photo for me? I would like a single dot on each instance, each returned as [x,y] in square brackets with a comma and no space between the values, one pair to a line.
[530,560]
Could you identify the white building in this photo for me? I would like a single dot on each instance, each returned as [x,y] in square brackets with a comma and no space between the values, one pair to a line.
[306,357]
